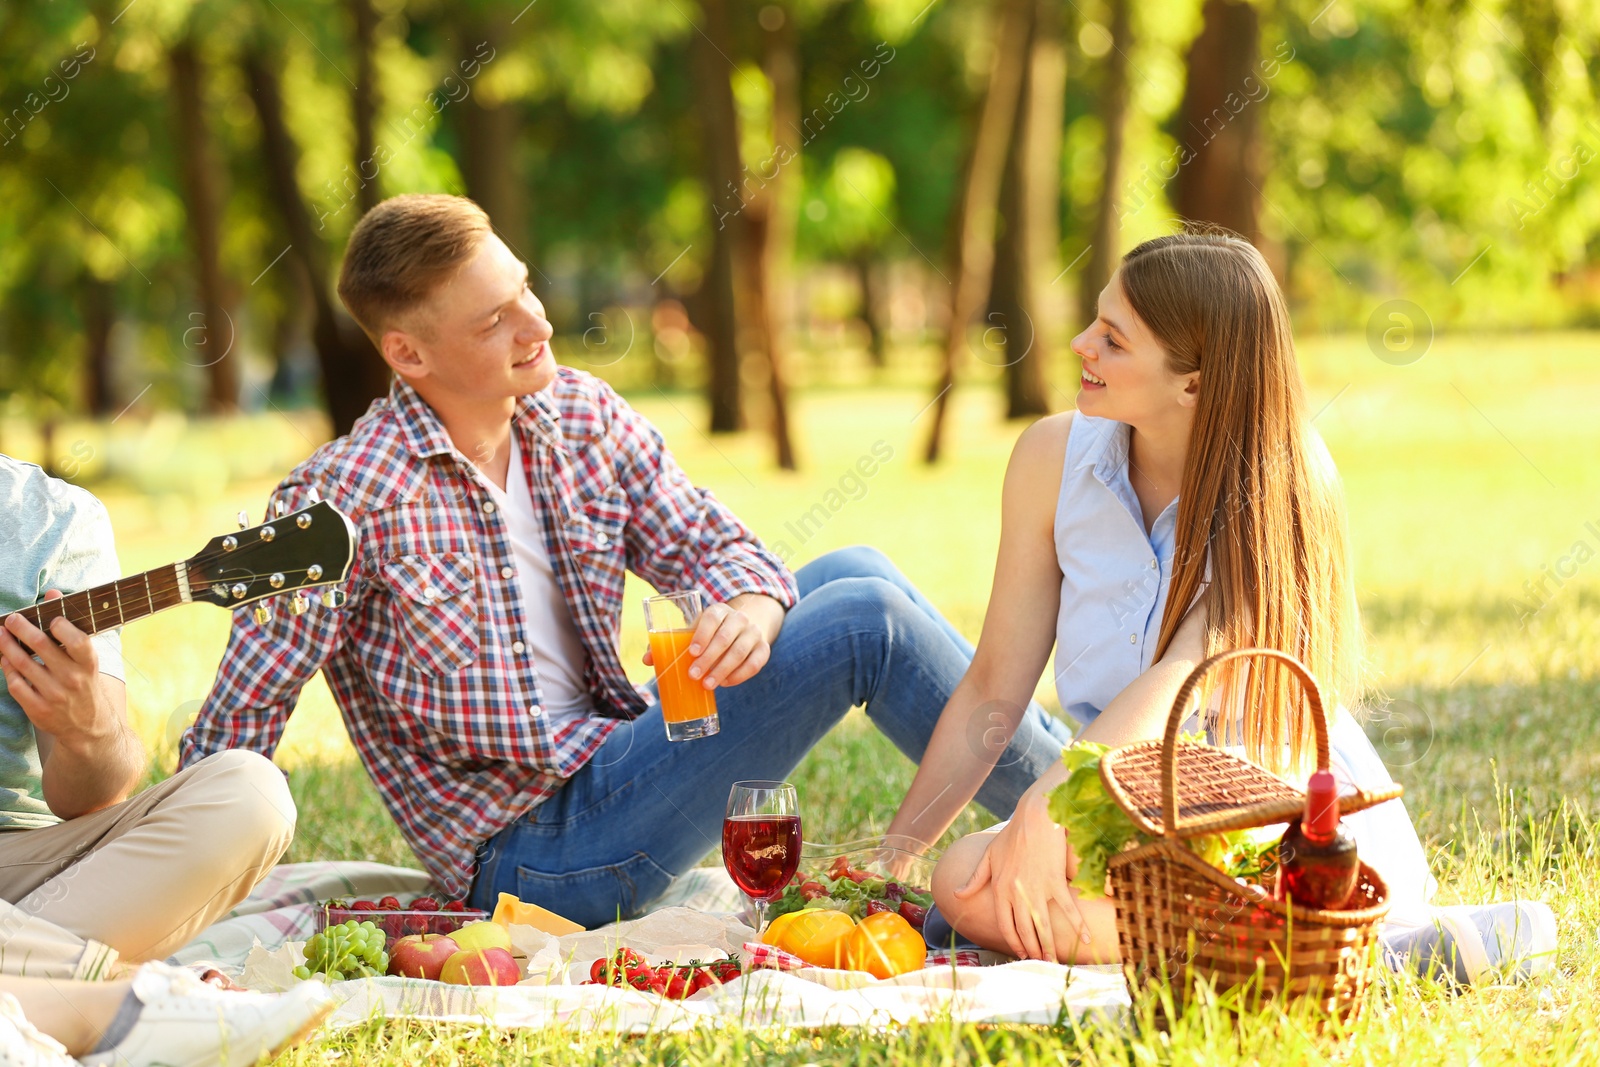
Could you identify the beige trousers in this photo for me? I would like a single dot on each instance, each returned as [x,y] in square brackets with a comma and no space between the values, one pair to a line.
[147,875]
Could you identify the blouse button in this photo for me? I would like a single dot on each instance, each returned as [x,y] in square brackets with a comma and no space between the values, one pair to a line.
[602,539]
[488,507]
[517,646]
[430,593]
[506,572]
[1133,639]
[1152,564]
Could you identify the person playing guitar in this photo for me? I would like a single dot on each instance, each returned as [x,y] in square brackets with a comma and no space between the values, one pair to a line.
[140,873]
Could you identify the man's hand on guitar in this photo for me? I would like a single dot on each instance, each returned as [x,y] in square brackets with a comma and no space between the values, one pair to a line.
[60,690]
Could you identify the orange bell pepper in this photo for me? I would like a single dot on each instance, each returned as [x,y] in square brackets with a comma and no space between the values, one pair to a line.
[884,945]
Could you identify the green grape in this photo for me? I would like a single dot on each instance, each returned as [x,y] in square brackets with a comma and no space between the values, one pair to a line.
[303,973]
[352,949]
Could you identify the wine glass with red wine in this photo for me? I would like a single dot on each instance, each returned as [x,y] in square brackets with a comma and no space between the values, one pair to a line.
[761,841]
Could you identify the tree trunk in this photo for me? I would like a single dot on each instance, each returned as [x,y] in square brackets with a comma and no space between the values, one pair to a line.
[1105,240]
[719,124]
[974,257]
[1219,125]
[99,314]
[872,298]
[491,132]
[353,374]
[211,346]
[770,218]
[1035,176]
[364,104]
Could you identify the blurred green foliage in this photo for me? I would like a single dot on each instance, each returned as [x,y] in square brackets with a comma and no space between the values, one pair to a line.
[1441,152]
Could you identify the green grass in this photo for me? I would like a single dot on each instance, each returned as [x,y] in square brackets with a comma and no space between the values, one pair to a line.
[1470,478]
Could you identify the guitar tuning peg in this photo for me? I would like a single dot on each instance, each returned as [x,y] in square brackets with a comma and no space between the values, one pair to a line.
[298,604]
[313,496]
[333,598]
[279,508]
[263,615]
[244,520]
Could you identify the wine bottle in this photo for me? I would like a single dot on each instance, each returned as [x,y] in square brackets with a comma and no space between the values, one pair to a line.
[1317,862]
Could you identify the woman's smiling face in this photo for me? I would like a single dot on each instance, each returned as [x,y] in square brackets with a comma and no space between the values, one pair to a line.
[1125,370]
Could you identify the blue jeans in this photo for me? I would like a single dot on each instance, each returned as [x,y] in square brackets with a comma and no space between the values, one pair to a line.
[646,809]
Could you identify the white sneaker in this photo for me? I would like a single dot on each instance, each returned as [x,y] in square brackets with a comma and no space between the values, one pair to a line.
[21,1045]
[1467,944]
[186,1023]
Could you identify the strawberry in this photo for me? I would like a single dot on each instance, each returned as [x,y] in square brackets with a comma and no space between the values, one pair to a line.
[415,924]
[913,913]
[425,904]
[456,905]
[389,904]
[363,905]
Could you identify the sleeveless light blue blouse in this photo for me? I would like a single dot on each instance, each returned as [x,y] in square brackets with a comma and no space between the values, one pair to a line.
[1114,576]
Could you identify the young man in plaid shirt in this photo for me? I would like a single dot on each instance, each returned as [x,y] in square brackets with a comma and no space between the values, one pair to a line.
[500,500]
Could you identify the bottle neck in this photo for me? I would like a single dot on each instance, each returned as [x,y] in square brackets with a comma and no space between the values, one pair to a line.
[1321,820]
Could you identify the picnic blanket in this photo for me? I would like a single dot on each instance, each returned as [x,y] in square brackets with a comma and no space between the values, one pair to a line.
[700,916]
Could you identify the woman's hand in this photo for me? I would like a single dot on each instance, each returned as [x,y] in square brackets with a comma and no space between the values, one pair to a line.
[1025,867]
[897,856]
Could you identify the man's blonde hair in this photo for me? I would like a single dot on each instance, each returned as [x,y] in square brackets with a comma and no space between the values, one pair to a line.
[403,250]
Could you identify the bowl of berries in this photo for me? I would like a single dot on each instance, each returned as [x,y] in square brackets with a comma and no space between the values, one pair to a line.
[420,915]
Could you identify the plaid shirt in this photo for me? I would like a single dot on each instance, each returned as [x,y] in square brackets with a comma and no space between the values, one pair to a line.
[441,699]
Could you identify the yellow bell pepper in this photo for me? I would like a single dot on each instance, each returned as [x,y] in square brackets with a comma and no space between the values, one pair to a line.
[816,935]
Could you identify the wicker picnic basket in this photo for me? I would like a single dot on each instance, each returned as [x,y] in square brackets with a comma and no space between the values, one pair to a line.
[1183,921]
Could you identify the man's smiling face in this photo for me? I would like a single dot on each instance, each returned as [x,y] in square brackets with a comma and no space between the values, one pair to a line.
[482,335]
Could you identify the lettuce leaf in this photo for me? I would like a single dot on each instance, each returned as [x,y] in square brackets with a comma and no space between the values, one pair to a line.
[1098,829]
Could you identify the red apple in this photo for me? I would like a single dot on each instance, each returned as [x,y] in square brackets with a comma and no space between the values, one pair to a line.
[481,966]
[421,955]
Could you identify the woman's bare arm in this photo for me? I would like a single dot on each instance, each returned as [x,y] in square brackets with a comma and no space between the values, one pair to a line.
[987,706]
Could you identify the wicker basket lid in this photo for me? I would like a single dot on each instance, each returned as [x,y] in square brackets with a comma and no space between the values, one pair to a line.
[1202,789]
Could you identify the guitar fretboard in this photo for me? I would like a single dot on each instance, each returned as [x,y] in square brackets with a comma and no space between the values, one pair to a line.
[108,606]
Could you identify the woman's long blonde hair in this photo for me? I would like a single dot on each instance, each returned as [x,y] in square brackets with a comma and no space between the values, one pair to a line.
[1260,501]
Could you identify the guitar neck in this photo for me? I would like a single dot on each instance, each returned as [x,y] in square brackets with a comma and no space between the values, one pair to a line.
[108,606]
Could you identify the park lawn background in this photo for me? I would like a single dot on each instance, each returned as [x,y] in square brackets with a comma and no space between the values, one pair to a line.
[1474,499]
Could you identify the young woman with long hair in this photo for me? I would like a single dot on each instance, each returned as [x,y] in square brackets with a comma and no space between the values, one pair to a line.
[1186,507]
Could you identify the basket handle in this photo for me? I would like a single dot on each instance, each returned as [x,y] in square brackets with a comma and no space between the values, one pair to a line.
[1169,742]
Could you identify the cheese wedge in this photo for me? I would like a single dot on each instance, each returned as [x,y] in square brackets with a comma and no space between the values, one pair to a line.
[510,910]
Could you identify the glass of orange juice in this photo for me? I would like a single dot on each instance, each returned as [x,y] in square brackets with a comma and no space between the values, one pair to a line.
[689,708]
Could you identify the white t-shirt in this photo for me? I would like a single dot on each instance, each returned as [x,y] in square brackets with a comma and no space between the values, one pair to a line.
[552,637]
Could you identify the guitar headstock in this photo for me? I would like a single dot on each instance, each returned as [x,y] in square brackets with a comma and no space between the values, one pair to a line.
[293,551]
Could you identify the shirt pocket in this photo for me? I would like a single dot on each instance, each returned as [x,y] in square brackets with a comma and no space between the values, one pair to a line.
[598,525]
[436,609]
